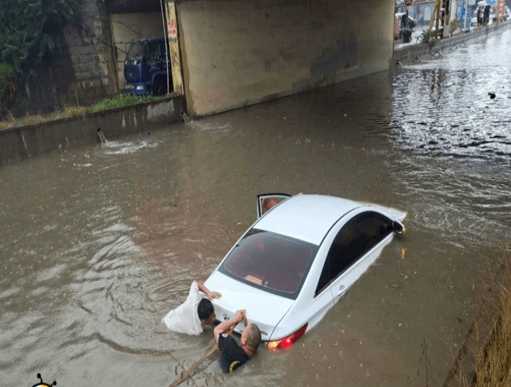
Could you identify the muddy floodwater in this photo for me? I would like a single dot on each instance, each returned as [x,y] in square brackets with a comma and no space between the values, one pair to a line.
[98,243]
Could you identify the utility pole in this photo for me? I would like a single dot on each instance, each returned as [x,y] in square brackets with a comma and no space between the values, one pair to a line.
[437,20]
[165,34]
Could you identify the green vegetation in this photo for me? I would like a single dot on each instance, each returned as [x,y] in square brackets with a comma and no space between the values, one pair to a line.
[486,356]
[493,362]
[31,34]
[31,31]
[427,36]
[119,101]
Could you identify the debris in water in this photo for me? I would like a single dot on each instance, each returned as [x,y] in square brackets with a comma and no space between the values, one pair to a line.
[492,95]
[101,136]
[193,369]
[186,118]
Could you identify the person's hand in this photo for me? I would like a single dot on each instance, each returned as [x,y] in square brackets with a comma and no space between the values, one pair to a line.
[240,315]
[213,295]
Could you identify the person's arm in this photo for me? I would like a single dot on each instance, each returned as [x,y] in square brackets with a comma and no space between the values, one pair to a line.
[206,291]
[227,325]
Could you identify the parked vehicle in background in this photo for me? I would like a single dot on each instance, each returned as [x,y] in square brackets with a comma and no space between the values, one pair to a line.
[145,67]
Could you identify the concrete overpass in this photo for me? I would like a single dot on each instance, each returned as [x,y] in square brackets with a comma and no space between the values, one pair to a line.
[227,54]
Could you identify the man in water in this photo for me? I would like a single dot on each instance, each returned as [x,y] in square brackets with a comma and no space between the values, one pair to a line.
[196,313]
[232,354]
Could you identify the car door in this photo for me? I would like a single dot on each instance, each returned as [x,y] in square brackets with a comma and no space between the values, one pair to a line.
[267,201]
[321,302]
[356,246]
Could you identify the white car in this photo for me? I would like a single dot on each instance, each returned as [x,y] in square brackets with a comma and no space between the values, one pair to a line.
[298,259]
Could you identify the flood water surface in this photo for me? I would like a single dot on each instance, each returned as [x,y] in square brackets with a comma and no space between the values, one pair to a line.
[98,243]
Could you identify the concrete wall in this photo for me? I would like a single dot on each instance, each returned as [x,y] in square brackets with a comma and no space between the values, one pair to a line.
[130,27]
[24,142]
[239,52]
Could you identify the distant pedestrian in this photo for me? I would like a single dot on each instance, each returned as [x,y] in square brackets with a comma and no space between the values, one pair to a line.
[486,15]
[232,354]
[480,14]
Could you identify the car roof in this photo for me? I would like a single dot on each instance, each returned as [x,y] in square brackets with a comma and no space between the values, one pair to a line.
[306,217]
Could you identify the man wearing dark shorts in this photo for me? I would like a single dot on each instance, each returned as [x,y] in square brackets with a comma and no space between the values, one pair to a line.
[232,354]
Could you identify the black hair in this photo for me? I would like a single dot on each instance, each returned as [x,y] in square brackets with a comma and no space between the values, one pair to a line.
[205,309]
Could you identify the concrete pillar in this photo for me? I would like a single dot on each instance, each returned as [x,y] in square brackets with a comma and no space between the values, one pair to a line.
[240,52]
[173,41]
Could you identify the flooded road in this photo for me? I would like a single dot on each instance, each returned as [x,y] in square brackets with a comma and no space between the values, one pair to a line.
[100,242]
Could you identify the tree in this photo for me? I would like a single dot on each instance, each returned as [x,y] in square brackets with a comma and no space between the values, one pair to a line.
[31,34]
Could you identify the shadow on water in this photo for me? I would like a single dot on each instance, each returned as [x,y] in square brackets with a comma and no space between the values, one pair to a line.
[99,243]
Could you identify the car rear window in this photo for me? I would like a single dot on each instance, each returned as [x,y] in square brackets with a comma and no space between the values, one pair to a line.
[269,261]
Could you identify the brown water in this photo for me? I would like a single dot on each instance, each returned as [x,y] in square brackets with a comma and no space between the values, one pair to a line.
[98,243]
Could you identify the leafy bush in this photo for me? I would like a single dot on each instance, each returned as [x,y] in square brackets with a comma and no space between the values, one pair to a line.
[120,101]
[31,30]
[426,36]
[31,33]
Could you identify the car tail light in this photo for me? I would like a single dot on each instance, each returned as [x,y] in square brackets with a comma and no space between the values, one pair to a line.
[286,342]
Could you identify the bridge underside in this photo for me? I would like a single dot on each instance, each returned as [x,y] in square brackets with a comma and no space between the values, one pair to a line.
[239,52]
[133,6]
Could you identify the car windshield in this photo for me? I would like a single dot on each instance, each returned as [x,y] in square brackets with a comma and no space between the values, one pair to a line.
[269,261]
[136,50]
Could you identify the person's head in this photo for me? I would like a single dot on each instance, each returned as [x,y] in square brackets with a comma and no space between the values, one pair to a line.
[250,339]
[269,203]
[206,312]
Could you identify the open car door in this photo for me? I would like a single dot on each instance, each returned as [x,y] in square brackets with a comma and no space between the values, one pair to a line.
[267,201]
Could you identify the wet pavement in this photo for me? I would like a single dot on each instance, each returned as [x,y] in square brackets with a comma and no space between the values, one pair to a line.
[100,242]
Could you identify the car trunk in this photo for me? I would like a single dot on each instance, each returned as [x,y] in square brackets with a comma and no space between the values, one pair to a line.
[263,308]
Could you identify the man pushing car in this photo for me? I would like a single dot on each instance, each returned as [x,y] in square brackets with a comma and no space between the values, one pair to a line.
[232,354]
[197,312]
[193,315]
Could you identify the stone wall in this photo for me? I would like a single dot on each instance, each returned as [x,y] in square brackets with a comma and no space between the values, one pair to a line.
[91,53]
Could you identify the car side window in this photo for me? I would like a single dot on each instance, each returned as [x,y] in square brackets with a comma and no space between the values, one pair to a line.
[355,238]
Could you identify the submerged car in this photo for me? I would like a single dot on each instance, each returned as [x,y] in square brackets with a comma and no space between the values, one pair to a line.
[298,259]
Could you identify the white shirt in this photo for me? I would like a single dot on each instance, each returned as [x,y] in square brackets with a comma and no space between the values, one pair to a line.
[185,318]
